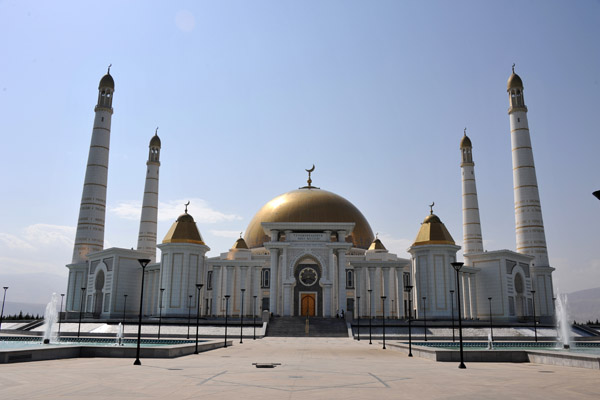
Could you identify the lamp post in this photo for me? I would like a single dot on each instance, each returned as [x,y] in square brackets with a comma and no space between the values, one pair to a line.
[124,308]
[370,317]
[452,303]
[425,317]
[457,266]
[491,325]
[383,319]
[143,263]
[3,300]
[226,312]
[242,317]
[80,310]
[534,320]
[358,329]
[254,318]
[199,288]
[407,289]
[189,314]
[162,291]
[62,297]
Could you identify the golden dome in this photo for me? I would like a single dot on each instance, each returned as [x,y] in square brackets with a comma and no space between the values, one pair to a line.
[309,205]
[107,81]
[465,142]
[240,244]
[433,231]
[377,245]
[514,81]
[184,230]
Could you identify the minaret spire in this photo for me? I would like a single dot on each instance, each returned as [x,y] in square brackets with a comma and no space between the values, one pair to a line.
[530,235]
[472,238]
[149,218]
[92,212]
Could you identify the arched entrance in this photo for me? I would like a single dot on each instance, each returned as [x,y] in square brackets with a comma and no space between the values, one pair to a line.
[308,293]
[520,300]
[98,295]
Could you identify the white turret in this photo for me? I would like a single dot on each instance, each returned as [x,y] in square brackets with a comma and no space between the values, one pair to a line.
[530,235]
[472,240]
[148,220]
[90,225]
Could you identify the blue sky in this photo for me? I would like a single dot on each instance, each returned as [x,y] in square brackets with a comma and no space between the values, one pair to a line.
[249,94]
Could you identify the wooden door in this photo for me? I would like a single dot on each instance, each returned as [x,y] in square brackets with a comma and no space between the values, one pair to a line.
[307,304]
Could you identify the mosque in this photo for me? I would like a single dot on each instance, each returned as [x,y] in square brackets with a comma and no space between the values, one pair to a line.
[311,252]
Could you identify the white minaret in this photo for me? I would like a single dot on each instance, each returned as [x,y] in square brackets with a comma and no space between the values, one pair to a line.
[90,225]
[148,220]
[531,238]
[472,240]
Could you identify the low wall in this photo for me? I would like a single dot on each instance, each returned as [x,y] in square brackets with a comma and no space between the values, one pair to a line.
[55,352]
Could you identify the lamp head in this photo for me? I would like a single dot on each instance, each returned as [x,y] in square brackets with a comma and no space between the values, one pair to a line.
[243,290]
[144,261]
[408,288]
[457,265]
[199,285]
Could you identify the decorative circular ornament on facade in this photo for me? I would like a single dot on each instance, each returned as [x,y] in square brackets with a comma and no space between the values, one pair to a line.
[308,276]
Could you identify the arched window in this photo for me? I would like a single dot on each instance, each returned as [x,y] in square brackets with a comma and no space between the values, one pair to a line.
[349,279]
[265,278]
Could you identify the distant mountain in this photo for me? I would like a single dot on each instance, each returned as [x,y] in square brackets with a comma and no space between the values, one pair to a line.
[584,305]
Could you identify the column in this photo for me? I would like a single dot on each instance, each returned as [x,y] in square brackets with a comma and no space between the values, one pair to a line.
[341,280]
[274,280]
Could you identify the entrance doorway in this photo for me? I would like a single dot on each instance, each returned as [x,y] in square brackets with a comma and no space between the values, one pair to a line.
[307,304]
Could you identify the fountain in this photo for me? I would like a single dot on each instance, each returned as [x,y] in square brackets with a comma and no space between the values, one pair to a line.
[563,324]
[50,320]
[490,342]
[119,341]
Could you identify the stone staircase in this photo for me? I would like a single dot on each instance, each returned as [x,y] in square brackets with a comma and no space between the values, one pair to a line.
[317,327]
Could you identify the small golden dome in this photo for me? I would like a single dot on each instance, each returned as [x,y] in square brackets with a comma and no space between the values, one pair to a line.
[514,81]
[107,82]
[465,142]
[377,245]
[433,231]
[184,230]
[240,244]
[155,141]
[309,204]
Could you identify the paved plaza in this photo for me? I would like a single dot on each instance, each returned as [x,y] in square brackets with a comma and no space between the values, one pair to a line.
[324,368]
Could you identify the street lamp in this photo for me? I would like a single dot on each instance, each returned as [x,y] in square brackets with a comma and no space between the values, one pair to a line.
[424,318]
[534,320]
[457,266]
[80,310]
[162,291]
[383,319]
[143,263]
[407,289]
[124,308]
[62,297]
[242,317]
[254,318]
[370,317]
[226,312]
[358,329]
[2,312]
[189,314]
[199,288]
[491,325]
[452,303]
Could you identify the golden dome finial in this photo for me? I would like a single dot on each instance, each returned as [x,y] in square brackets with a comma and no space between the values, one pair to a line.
[156,131]
[465,131]
[186,206]
[431,208]
[309,181]
[241,235]
[513,67]
[109,65]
